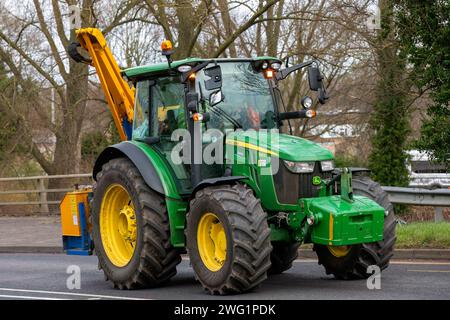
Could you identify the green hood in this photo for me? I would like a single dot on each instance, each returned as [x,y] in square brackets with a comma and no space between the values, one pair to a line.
[284,146]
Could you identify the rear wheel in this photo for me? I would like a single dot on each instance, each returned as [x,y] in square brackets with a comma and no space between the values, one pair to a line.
[351,262]
[131,229]
[228,239]
[282,256]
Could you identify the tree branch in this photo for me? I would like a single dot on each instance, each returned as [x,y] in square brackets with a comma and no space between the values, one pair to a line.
[116,21]
[29,60]
[244,27]
[59,24]
[161,17]
[198,28]
[51,42]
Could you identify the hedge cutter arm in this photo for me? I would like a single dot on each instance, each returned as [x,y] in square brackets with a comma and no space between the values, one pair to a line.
[119,95]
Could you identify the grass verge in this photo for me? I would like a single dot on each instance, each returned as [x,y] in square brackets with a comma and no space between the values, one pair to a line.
[423,235]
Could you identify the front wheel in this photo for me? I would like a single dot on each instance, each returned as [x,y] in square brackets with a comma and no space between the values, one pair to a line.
[352,262]
[228,239]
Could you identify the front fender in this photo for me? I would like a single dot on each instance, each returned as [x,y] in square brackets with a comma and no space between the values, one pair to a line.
[216,181]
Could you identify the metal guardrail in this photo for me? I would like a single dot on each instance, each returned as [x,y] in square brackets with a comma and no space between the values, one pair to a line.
[41,191]
[438,198]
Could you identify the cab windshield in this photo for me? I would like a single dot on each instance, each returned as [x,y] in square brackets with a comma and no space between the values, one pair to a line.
[247,98]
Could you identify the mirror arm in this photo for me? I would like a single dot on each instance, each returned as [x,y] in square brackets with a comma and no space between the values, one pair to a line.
[282,74]
[293,115]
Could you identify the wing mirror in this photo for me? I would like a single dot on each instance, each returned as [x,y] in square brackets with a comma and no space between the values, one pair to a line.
[315,79]
[215,98]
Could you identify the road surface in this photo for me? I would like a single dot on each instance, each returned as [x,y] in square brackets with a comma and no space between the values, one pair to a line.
[44,276]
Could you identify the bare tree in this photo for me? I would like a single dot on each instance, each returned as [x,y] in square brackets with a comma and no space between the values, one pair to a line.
[33,39]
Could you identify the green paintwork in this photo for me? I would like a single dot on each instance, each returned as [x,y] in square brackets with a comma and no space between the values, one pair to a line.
[346,185]
[158,67]
[360,221]
[285,146]
[176,207]
[279,234]
[162,168]
[177,219]
[260,179]
[146,70]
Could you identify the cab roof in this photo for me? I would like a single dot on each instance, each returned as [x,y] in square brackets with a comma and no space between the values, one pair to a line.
[163,67]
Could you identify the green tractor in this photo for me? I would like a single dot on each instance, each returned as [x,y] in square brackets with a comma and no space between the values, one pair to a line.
[246,197]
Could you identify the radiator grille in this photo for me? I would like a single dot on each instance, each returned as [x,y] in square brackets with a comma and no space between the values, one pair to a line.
[292,186]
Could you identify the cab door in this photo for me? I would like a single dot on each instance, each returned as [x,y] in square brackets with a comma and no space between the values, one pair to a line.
[159,111]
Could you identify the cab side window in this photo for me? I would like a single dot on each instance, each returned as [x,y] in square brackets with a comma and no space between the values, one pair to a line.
[141,110]
[167,104]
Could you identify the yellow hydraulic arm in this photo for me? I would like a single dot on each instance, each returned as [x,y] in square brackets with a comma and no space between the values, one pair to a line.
[119,95]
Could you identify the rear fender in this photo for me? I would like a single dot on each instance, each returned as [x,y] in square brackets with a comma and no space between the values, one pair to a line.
[157,174]
[139,158]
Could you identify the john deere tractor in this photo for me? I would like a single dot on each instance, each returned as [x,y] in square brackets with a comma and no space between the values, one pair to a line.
[203,170]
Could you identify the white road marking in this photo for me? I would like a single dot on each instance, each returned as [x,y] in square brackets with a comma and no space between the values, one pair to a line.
[442,271]
[437,263]
[400,262]
[29,297]
[71,294]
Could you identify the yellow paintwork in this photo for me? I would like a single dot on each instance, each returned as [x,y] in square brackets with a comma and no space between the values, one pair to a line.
[339,251]
[70,217]
[118,225]
[251,146]
[118,93]
[211,242]
[331,226]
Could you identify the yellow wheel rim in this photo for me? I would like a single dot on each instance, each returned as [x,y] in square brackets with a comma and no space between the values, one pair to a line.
[339,251]
[118,229]
[211,242]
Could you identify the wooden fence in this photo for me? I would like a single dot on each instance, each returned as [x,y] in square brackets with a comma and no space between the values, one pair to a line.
[37,197]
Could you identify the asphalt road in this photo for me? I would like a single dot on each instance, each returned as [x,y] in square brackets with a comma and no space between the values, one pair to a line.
[44,276]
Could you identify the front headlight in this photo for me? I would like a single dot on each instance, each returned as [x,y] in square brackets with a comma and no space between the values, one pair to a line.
[299,167]
[327,165]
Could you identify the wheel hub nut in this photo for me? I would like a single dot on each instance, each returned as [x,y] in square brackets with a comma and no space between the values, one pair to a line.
[127,223]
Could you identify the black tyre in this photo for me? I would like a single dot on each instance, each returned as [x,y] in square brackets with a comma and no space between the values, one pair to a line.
[352,262]
[228,239]
[131,235]
[282,256]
